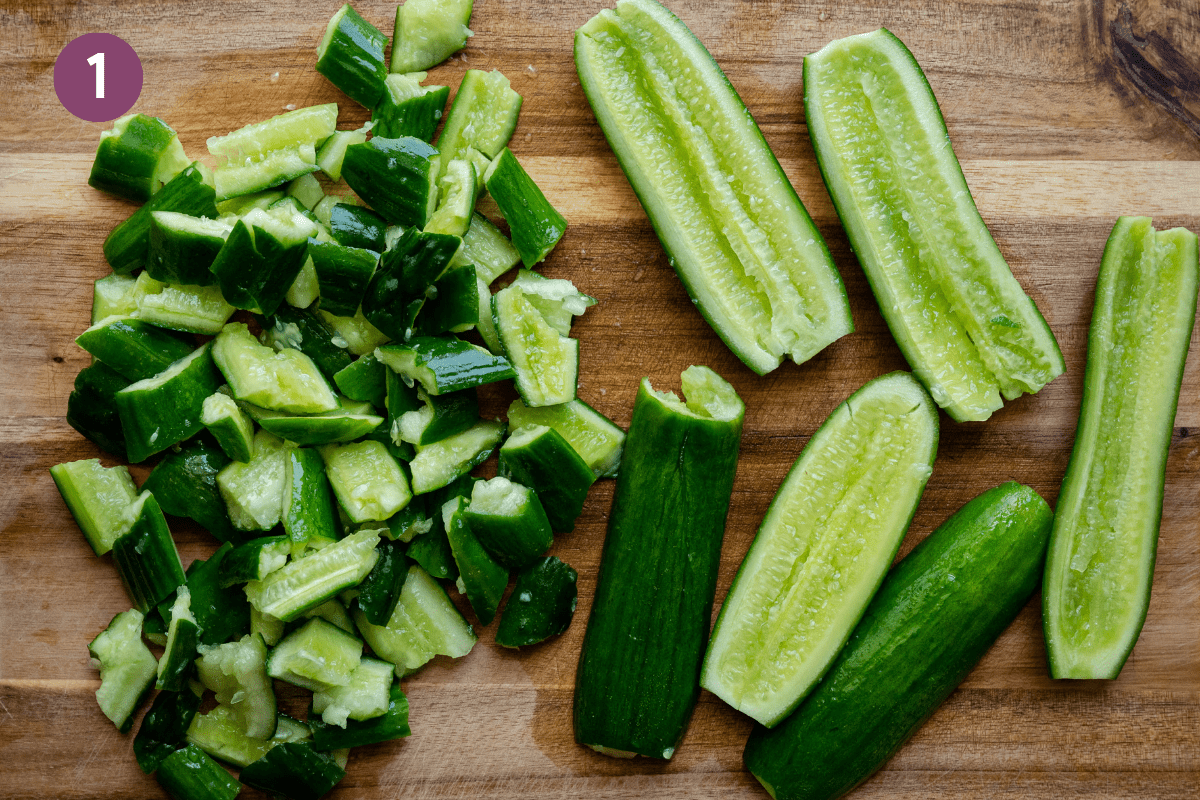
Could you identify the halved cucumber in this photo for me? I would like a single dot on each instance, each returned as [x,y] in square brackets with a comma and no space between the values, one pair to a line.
[832,531]
[1102,548]
[960,317]
[732,226]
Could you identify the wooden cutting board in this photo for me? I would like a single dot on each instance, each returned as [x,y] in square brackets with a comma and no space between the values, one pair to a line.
[1064,115]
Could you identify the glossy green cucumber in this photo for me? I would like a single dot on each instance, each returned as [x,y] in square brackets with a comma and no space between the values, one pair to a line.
[396,177]
[509,521]
[342,274]
[936,614]
[307,512]
[253,490]
[286,380]
[535,225]
[355,226]
[400,286]
[318,655]
[181,247]
[830,534]
[350,55]
[458,190]
[443,364]
[164,410]
[97,498]
[164,728]
[542,604]
[184,483]
[136,157]
[126,667]
[485,246]
[176,665]
[294,770]
[187,308]
[597,439]
[539,457]
[189,192]
[222,612]
[731,224]
[301,585]
[961,319]
[305,330]
[437,464]
[229,425]
[391,724]
[368,482]
[1102,549]
[546,361]
[133,348]
[190,774]
[483,116]
[428,32]
[262,256]
[406,108]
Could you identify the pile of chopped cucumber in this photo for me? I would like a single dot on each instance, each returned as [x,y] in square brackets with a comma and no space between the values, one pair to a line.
[285,349]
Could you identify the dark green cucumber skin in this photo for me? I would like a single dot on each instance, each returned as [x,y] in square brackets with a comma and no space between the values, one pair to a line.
[92,407]
[935,616]
[396,292]
[392,724]
[164,728]
[513,546]
[363,380]
[255,270]
[484,579]
[191,774]
[535,225]
[432,550]
[553,469]
[241,564]
[417,116]
[123,166]
[399,399]
[223,612]
[413,513]
[394,177]
[316,339]
[456,303]
[379,591]
[355,226]
[181,657]
[170,262]
[354,60]
[135,349]
[147,560]
[185,484]
[551,586]
[310,514]
[456,365]
[153,427]
[342,275]
[125,248]
[295,770]
[639,671]
[453,413]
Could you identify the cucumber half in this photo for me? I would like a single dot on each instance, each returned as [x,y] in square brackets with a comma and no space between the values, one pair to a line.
[968,330]
[830,535]
[733,228]
[1102,548]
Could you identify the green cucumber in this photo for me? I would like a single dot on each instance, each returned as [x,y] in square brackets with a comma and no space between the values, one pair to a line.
[407,269]
[127,668]
[164,410]
[164,728]
[437,464]
[488,249]
[192,309]
[182,247]
[443,364]
[222,612]
[732,226]
[485,324]
[545,361]
[303,126]
[597,439]
[307,510]
[92,407]
[364,696]
[237,671]
[396,177]
[275,168]
[428,32]
[229,425]
[1105,537]
[355,226]
[190,192]
[239,206]
[541,605]
[179,653]
[379,591]
[307,189]
[301,585]
[112,296]
[557,299]
[190,774]
[254,560]
[184,483]
[367,480]
[342,275]
[135,349]
[411,521]
[483,116]
[221,734]
[539,457]
[364,380]
[262,257]
[136,157]
[535,225]
[436,417]
[145,555]
[961,319]
[391,724]
[458,190]
[357,333]
[253,490]
[350,55]
[352,421]
[481,579]
[406,108]
[285,380]
[424,624]
[293,770]
[97,498]
[307,331]
[509,521]
[637,681]
[317,656]
[830,534]
[331,154]
[936,614]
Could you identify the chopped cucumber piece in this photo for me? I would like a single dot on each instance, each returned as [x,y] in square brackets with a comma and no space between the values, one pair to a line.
[458,191]
[237,673]
[135,349]
[483,116]
[487,248]
[379,591]
[396,177]
[436,465]
[439,417]
[254,560]
[262,257]
[288,592]
[190,774]
[355,226]
[221,734]
[304,126]
[223,613]
[97,498]
[179,653]
[136,157]
[305,331]
[113,297]
[182,248]
[546,362]
[350,55]
[164,728]
[481,579]
[192,309]
[316,656]
[163,410]
[185,485]
[229,425]
[428,32]
[410,265]
[92,407]
[307,501]
[542,604]
[294,770]
[364,696]
[272,169]
[509,521]
[454,306]
[368,482]
[342,275]
[409,109]
[539,457]
[329,157]
[240,206]
[253,490]
[594,436]
[189,192]
[557,299]
[486,324]
[364,380]
[444,364]
[357,333]
[127,668]
[535,225]
[286,380]
[392,724]
[307,189]
[145,555]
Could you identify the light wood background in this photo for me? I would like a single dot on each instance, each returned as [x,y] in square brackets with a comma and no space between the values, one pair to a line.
[1065,114]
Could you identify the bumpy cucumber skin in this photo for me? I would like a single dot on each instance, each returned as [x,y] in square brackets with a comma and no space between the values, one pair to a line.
[541,605]
[191,773]
[293,769]
[936,614]
[1095,416]
[638,676]
[353,58]
[189,192]
[752,355]
[860,246]
[185,485]
[900,384]
[395,176]
[164,728]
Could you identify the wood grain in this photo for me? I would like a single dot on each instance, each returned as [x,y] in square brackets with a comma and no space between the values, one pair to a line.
[1065,114]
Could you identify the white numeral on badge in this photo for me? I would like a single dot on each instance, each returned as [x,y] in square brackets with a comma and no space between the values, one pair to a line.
[98,62]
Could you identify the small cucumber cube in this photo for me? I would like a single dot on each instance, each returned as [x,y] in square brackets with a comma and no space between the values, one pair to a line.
[368,482]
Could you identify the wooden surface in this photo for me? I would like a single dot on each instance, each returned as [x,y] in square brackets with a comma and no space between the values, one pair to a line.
[1065,114]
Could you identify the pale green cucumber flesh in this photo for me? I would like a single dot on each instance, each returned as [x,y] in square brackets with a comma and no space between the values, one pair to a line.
[546,361]
[830,535]
[963,322]
[733,228]
[1102,548]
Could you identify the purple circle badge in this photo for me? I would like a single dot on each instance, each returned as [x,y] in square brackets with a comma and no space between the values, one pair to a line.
[98,77]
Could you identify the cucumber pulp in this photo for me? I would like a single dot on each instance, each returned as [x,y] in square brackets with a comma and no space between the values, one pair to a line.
[1102,548]
[960,317]
[831,532]
[732,226]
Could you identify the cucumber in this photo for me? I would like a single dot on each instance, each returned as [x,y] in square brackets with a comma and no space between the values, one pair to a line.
[406,108]
[271,169]
[536,226]
[145,555]
[509,521]
[379,591]
[396,177]
[597,439]
[307,189]
[182,247]
[391,724]
[350,55]
[357,334]
[223,613]
[545,361]
[164,728]
[237,671]
[342,275]
[428,32]
[135,349]
[190,774]
[190,192]
[355,226]
[443,364]
[483,116]
[407,269]
[351,421]
[229,425]
[97,498]
[961,319]
[191,309]
[112,296]
[368,482]
[305,584]
[363,697]
[317,656]
[92,407]
[364,380]
[637,681]
[127,668]
[745,249]
[303,126]
[305,330]
[294,770]
[540,458]
[285,380]
[164,410]
[936,614]
[254,560]
[221,734]
[436,417]
[183,635]
[1102,549]
[184,483]
[330,156]
[437,464]
[253,490]
[136,157]
[830,534]
[541,605]
[481,579]
[262,257]
[458,189]
[487,248]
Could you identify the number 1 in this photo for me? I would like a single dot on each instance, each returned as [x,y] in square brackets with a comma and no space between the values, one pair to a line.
[98,62]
